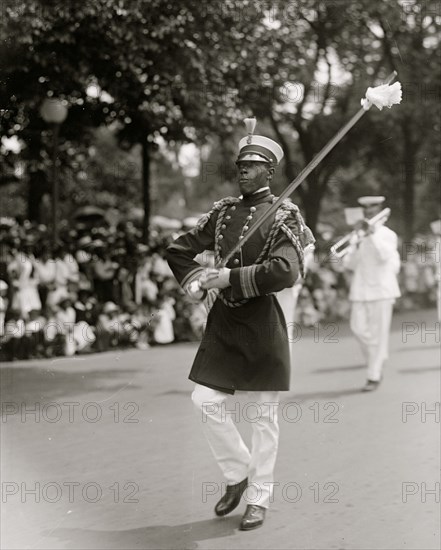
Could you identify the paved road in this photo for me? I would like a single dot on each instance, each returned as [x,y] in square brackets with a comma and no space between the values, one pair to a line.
[112,456]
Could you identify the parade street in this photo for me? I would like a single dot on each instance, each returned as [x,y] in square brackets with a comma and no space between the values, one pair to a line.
[106,451]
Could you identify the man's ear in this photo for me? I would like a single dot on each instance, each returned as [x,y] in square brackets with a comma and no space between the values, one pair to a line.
[271,171]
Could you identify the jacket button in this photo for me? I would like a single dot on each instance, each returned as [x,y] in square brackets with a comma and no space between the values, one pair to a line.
[223,226]
[228,217]
[253,209]
[221,237]
[236,261]
[233,208]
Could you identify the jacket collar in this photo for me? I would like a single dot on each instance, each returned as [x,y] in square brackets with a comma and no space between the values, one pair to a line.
[259,196]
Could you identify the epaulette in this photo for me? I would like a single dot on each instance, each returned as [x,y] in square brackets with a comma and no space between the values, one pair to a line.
[304,234]
[217,206]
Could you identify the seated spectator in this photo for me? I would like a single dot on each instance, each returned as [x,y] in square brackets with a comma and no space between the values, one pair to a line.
[33,340]
[198,319]
[141,320]
[129,334]
[306,314]
[65,318]
[108,327]
[86,307]
[13,336]
[54,341]
[84,337]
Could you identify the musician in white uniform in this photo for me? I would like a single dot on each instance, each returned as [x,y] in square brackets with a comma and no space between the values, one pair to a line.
[375,262]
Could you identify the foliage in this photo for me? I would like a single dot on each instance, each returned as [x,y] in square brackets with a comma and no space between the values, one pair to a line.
[160,72]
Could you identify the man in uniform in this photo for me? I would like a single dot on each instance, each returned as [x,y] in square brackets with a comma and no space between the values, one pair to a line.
[375,263]
[245,346]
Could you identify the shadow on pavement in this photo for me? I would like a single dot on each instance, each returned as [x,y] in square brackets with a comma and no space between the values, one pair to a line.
[185,536]
[422,347]
[185,393]
[419,370]
[23,383]
[333,394]
[339,369]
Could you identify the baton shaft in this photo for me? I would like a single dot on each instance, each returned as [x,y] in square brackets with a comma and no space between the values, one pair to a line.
[302,176]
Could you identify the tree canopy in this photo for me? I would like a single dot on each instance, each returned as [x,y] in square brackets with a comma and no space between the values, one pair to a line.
[158,72]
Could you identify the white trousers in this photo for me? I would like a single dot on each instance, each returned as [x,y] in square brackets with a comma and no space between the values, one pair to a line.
[234,458]
[370,322]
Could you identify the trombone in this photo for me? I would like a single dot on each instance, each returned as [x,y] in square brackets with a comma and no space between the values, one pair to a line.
[341,247]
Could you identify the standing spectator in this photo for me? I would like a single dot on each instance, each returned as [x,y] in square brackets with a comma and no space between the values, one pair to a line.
[45,268]
[65,318]
[163,332]
[4,302]
[145,287]
[60,287]
[68,256]
[86,307]
[24,279]
[104,271]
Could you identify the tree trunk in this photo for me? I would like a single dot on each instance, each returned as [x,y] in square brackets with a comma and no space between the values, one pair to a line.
[408,177]
[146,189]
[311,202]
[37,187]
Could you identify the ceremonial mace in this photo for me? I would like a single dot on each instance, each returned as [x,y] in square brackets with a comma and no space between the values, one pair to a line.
[373,96]
[380,96]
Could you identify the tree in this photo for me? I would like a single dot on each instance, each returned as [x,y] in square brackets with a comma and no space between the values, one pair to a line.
[307,69]
[151,63]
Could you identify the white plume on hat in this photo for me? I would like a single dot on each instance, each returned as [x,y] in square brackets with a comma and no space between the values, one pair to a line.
[258,148]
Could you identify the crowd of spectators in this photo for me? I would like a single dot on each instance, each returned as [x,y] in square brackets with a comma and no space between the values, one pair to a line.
[101,288]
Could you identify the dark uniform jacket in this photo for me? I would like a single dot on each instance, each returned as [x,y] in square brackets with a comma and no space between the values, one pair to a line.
[245,345]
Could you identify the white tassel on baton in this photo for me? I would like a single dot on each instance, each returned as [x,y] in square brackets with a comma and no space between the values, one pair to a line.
[382,96]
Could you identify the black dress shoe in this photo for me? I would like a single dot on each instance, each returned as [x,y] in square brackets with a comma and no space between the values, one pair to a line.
[371,385]
[254,517]
[231,498]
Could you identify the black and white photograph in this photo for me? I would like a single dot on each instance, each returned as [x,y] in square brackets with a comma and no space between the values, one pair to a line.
[220,283]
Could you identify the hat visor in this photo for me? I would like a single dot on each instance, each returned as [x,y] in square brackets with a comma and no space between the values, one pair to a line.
[252,157]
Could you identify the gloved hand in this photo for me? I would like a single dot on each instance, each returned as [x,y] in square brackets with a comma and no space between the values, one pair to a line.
[197,290]
[216,278]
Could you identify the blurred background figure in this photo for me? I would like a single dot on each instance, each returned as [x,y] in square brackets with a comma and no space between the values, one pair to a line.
[374,260]
[4,302]
[163,332]
[24,279]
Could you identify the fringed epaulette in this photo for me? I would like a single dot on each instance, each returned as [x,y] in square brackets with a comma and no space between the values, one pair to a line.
[217,206]
[304,233]
[300,237]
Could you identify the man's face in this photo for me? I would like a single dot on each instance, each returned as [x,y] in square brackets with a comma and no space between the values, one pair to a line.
[370,211]
[252,176]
